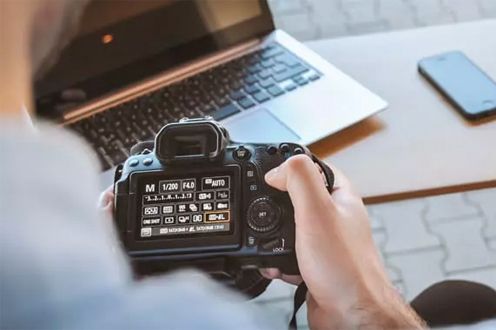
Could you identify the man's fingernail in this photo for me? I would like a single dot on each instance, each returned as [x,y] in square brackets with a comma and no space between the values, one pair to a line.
[264,272]
[269,273]
[270,174]
[108,203]
[104,201]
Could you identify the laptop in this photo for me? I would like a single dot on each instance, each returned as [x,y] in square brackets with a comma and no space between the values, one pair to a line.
[135,66]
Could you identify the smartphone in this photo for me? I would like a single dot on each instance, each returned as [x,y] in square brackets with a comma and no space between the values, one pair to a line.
[469,89]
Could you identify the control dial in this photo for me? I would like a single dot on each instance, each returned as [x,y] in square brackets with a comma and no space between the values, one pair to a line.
[263,214]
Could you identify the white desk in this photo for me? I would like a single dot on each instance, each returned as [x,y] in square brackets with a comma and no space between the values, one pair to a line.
[420,145]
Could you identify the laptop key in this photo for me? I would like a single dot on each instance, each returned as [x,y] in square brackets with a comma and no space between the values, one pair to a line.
[207,108]
[252,89]
[246,102]
[252,58]
[225,112]
[297,70]
[271,51]
[267,82]
[261,96]
[222,101]
[251,79]
[93,134]
[237,95]
[105,158]
[287,59]
[275,90]
[290,87]
[191,113]
[314,77]
[235,84]
[268,63]
[300,80]
[278,68]
[255,68]
[264,74]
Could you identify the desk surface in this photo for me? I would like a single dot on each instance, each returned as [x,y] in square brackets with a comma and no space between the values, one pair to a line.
[420,145]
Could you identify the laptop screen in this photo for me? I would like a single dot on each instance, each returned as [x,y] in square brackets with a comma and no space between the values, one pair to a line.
[122,42]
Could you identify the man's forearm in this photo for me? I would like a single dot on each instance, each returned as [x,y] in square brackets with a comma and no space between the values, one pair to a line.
[390,312]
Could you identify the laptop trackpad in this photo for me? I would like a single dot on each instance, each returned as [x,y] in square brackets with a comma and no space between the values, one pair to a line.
[259,126]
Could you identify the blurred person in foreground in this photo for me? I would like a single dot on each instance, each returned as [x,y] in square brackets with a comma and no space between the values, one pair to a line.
[58,264]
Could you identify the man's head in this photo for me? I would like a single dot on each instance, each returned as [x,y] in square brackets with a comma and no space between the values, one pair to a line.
[45,25]
[53,25]
[32,32]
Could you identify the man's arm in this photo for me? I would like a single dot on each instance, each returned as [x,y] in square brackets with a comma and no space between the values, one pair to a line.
[348,285]
[58,264]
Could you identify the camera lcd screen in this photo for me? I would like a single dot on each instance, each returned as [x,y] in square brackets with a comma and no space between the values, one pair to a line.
[187,205]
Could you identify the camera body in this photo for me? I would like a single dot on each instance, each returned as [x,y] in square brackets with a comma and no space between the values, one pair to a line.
[200,200]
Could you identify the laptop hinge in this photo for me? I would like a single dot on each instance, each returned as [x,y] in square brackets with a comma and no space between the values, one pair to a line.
[162,79]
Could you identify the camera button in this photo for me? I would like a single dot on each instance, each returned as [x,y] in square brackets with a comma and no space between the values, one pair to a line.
[271,244]
[271,150]
[263,214]
[133,162]
[147,161]
[253,187]
[251,172]
[241,153]
[284,147]
[251,241]
[298,151]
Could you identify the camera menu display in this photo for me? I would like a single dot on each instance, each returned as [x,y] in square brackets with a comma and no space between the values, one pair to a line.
[185,206]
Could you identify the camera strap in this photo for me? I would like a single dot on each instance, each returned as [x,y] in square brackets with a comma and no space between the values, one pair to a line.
[299,298]
[326,170]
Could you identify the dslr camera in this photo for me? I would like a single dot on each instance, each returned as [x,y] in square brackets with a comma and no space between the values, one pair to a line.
[193,198]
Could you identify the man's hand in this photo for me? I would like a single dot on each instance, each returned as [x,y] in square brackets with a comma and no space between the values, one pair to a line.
[106,202]
[347,283]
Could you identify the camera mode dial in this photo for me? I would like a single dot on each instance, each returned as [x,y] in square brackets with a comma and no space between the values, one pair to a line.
[263,214]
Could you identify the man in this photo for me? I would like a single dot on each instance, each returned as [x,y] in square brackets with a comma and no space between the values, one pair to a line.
[58,264]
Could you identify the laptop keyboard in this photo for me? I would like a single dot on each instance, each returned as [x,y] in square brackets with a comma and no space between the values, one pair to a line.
[220,92]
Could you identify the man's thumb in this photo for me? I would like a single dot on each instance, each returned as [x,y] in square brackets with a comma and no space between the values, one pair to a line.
[302,180]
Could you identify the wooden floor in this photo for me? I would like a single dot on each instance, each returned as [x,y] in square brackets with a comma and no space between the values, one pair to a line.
[318,19]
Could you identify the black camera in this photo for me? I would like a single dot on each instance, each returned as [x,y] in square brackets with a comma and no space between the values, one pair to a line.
[195,198]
